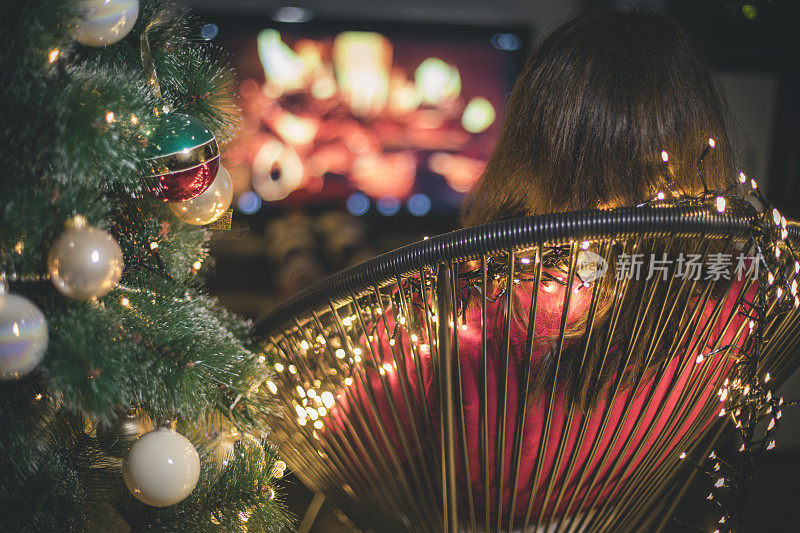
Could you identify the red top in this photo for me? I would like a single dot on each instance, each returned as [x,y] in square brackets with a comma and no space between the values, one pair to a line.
[660,402]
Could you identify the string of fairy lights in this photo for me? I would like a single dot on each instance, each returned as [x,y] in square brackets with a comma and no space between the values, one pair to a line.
[311,384]
[746,397]
[8,277]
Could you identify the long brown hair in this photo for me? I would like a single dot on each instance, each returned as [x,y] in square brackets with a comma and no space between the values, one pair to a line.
[596,104]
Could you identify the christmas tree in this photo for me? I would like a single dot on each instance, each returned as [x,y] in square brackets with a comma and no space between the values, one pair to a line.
[129,398]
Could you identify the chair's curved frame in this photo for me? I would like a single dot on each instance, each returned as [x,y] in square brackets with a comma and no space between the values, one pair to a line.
[502,237]
[518,233]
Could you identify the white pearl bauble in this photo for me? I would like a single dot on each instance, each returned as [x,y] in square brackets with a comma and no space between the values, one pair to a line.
[23,336]
[162,468]
[208,206]
[85,262]
[105,21]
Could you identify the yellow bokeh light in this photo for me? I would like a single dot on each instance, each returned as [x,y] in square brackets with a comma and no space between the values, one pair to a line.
[437,81]
[362,62]
[282,66]
[478,115]
[294,129]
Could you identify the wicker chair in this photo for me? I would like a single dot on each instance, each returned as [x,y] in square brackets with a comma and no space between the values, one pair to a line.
[402,378]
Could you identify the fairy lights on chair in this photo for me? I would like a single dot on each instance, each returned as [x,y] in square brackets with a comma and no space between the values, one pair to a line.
[487,379]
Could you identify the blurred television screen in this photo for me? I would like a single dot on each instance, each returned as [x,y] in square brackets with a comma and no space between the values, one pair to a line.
[378,119]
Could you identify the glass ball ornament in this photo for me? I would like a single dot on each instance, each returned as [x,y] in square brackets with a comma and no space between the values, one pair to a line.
[209,206]
[183,158]
[23,335]
[85,262]
[104,22]
[161,468]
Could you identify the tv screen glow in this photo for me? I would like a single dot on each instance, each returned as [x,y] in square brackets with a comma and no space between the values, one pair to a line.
[377,120]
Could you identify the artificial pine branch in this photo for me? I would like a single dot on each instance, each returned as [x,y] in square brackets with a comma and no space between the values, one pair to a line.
[230,496]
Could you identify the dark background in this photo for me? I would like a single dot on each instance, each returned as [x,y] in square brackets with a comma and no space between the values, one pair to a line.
[755,48]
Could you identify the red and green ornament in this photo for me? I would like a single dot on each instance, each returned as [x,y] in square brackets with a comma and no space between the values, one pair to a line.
[183,157]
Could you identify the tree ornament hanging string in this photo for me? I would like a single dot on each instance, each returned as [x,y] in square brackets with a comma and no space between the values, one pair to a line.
[148,64]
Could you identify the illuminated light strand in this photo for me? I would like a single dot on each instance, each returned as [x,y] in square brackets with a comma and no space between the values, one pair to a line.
[738,394]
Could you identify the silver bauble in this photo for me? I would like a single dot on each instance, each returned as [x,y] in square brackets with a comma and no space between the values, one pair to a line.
[105,22]
[85,262]
[23,335]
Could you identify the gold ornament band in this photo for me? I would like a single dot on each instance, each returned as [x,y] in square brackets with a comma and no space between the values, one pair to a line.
[180,161]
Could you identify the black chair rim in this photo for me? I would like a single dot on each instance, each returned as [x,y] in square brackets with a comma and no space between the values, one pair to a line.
[495,237]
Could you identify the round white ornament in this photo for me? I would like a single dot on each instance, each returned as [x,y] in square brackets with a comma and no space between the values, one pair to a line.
[208,206]
[162,468]
[23,336]
[85,262]
[105,22]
